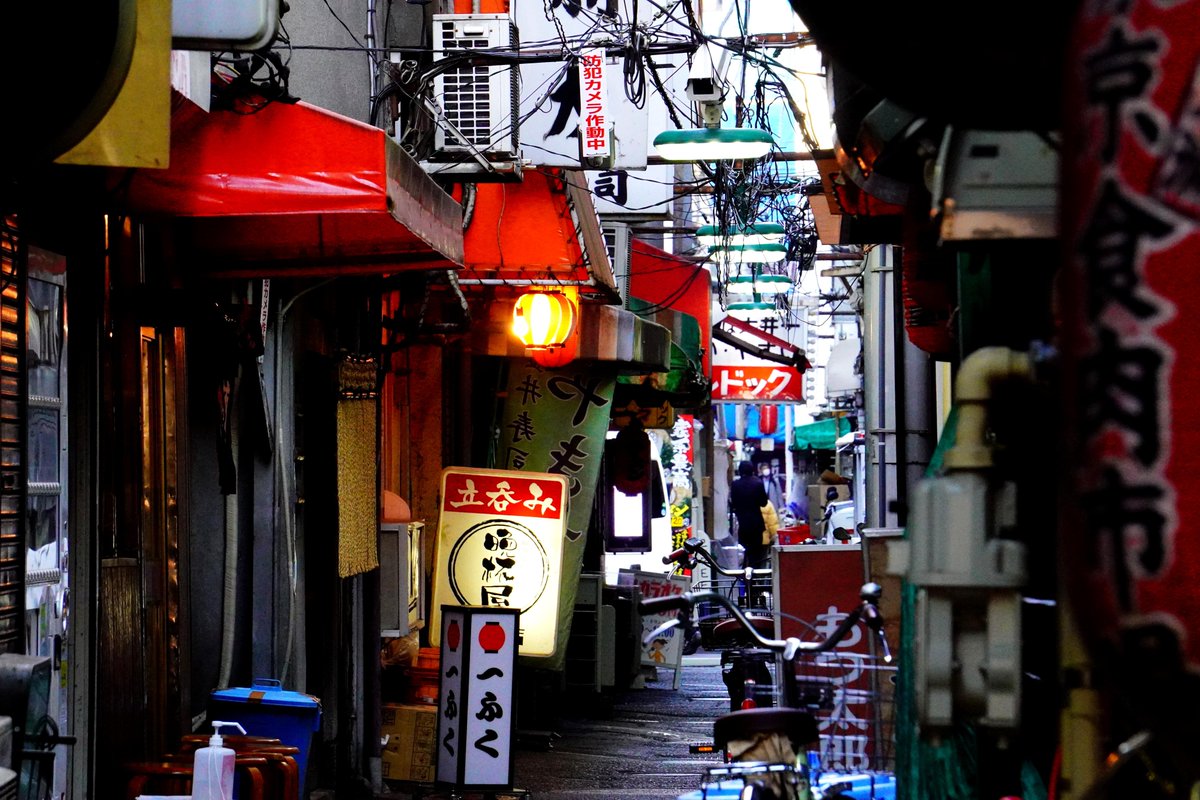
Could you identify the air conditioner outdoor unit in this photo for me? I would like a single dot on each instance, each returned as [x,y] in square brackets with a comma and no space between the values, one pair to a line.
[480,102]
[616,240]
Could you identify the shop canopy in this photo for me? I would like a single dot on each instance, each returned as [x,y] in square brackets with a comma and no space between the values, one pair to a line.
[666,281]
[295,189]
[542,231]
[822,435]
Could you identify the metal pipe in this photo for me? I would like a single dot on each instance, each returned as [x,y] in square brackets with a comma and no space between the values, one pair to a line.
[523,282]
[972,390]
[373,73]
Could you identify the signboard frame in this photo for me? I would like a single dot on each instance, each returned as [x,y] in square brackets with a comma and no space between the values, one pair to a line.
[465,669]
[501,517]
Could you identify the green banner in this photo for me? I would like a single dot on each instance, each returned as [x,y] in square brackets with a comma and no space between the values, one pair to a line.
[555,420]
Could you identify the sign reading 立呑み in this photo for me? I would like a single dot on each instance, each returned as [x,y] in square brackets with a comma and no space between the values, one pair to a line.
[475,701]
[500,545]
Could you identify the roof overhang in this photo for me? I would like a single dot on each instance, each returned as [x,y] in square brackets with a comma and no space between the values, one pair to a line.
[540,232]
[294,187]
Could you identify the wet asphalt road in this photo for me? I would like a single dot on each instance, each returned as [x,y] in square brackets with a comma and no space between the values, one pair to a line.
[640,750]
[634,746]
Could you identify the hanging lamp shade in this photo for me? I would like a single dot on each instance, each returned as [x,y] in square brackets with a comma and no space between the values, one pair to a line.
[749,253]
[544,320]
[713,144]
[751,311]
[758,233]
[759,284]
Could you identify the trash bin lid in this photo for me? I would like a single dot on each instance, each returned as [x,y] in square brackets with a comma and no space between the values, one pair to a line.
[267,691]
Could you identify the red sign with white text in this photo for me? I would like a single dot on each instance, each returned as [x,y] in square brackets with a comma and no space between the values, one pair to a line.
[502,493]
[769,384]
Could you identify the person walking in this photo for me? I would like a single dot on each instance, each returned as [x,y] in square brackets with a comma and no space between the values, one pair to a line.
[747,497]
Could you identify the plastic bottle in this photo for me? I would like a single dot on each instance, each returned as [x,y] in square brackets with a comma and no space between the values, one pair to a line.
[212,769]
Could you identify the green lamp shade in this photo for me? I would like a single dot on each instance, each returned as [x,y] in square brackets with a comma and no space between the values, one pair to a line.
[758,233]
[748,253]
[751,311]
[713,144]
[759,284]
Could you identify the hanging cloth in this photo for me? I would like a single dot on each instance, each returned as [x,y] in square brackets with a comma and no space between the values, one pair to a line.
[357,436]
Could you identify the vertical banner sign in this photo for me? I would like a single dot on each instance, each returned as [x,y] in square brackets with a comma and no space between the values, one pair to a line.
[1132,368]
[500,545]
[681,481]
[593,102]
[475,703]
[555,421]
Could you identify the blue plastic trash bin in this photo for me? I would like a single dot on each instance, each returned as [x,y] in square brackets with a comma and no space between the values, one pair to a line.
[267,709]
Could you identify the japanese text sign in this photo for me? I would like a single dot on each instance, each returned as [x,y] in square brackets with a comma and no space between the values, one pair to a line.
[771,384]
[593,105]
[1131,212]
[475,702]
[665,649]
[555,421]
[500,545]
[848,734]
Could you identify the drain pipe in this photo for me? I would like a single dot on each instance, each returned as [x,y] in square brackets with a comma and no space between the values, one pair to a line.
[229,609]
[965,570]
[972,390]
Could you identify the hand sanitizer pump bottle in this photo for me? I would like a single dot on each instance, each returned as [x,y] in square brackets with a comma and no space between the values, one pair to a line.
[212,770]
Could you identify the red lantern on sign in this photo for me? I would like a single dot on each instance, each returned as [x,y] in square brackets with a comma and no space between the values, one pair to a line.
[768,420]
[491,637]
[453,635]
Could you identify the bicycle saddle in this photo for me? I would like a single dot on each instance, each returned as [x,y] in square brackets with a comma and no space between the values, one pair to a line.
[730,629]
[798,725]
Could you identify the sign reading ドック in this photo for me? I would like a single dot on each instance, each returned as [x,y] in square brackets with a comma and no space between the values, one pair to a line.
[500,545]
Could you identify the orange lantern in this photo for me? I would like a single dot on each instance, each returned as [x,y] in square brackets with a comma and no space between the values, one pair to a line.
[544,320]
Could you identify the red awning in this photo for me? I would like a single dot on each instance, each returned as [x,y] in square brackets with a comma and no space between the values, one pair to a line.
[543,230]
[295,187]
[676,283]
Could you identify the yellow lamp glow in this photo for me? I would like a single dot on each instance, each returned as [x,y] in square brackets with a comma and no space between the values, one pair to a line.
[544,320]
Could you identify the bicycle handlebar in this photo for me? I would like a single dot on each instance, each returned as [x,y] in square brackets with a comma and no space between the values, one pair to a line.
[694,548]
[866,610]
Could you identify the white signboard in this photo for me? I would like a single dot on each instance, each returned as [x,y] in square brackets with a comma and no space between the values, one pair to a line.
[500,543]
[633,193]
[665,647]
[475,702]
[550,92]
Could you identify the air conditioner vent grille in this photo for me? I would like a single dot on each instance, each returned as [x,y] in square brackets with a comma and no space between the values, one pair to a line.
[479,101]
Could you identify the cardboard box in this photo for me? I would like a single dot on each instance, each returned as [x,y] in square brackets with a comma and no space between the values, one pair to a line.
[410,733]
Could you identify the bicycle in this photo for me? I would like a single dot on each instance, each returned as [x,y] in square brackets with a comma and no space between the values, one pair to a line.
[766,748]
[744,667]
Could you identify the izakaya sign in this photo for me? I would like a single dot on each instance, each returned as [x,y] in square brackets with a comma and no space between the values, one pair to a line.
[770,384]
[500,545]
[475,700]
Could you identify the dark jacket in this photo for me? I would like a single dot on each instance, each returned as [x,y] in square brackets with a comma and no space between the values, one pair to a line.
[747,497]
